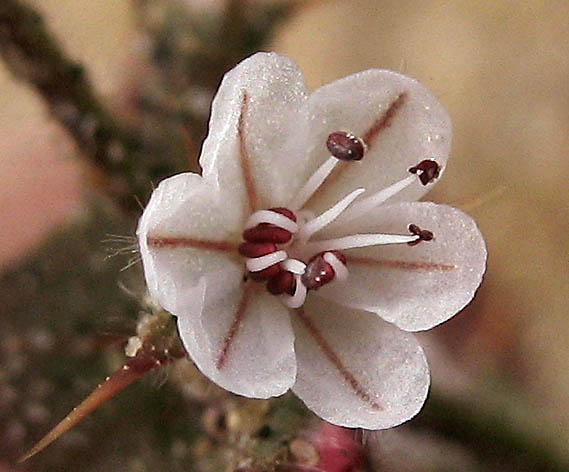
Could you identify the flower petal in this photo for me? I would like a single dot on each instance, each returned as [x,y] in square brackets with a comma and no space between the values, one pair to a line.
[186,233]
[402,122]
[243,341]
[414,287]
[251,149]
[356,370]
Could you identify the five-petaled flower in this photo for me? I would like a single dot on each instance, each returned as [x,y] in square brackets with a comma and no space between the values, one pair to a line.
[299,258]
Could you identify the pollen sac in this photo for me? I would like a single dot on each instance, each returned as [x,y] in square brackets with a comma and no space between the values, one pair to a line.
[428,171]
[281,283]
[345,146]
[253,250]
[265,274]
[267,232]
[256,249]
[285,212]
[318,272]
[424,235]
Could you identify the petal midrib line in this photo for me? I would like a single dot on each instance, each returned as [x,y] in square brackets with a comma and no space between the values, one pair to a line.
[245,161]
[369,138]
[400,264]
[335,359]
[236,324]
[184,242]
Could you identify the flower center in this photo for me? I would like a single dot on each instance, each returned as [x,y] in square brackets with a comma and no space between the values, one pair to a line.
[272,235]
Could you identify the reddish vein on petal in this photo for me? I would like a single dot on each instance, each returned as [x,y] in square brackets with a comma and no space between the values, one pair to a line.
[385,120]
[238,318]
[358,388]
[173,242]
[404,265]
[250,187]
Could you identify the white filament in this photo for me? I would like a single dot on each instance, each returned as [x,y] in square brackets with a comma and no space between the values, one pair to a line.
[294,265]
[359,240]
[296,300]
[313,183]
[328,216]
[340,270]
[373,201]
[302,216]
[272,217]
[256,264]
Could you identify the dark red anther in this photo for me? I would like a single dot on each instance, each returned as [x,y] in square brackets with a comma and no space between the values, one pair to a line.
[283,282]
[318,272]
[256,249]
[249,249]
[285,212]
[345,146]
[429,171]
[424,235]
[266,232]
[265,274]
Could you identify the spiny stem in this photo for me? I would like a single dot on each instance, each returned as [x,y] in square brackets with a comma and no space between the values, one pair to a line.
[34,56]
[145,361]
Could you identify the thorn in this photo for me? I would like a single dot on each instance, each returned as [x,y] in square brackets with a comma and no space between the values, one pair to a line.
[132,370]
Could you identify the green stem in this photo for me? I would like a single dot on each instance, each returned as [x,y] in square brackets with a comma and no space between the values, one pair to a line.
[34,56]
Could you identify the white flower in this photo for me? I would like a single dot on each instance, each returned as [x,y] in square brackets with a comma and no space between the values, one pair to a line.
[345,347]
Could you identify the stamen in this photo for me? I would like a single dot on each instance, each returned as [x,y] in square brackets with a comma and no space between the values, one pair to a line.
[318,273]
[368,139]
[266,232]
[259,263]
[373,201]
[323,268]
[284,211]
[313,183]
[304,216]
[423,235]
[426,171]
[282,283]
[256,249]
[345,146]
[264,274]
[340,269]
[294,265]
[359,240]
[328,216]
[429,170]
[296,300]
[272,217]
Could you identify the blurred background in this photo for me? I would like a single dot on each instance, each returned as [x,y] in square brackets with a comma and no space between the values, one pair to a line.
[500,368]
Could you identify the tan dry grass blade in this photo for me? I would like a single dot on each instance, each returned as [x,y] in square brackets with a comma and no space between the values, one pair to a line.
[475,202]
